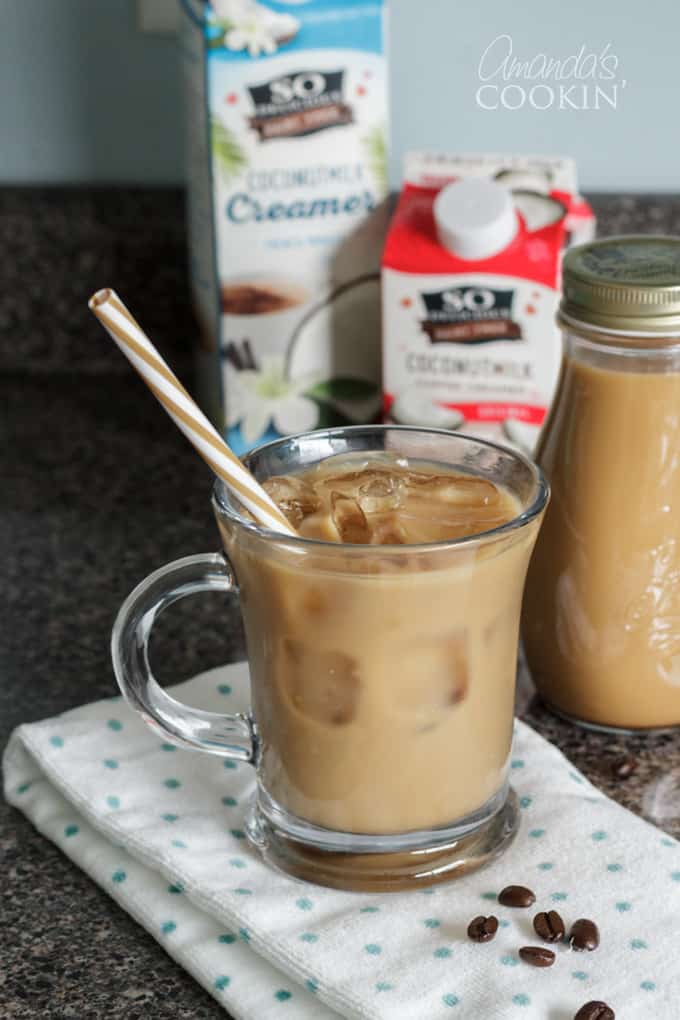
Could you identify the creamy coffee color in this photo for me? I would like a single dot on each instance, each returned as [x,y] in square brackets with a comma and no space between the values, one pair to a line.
[383,683]
[381,501]
[601,620]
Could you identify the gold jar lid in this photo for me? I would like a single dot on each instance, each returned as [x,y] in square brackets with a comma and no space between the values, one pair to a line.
[627,286]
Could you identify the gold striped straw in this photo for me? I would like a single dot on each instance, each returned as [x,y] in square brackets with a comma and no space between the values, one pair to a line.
[166,387]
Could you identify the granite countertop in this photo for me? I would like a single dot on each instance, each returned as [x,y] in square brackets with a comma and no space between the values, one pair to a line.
[96,490]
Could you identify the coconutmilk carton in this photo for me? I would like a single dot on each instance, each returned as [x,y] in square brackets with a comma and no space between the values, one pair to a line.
[286,129]
[471,279]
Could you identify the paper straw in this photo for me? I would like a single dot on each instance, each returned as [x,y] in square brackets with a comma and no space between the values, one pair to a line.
[166,387]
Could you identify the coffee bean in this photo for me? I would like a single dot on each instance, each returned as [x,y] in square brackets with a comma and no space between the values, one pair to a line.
[595,1011]
[537,956]
[516,896]
[482,929]
[584,935]
[624,767]
[549,926]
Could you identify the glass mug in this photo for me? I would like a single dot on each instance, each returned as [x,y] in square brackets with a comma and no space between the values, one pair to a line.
[382,677]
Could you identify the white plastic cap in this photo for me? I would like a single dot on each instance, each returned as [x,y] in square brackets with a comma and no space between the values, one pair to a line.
[475,218]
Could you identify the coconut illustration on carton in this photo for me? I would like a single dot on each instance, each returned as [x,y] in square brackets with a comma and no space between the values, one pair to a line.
[345,371]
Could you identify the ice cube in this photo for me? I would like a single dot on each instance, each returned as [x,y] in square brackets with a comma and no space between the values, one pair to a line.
[460,490]
[349,519]
[381,484]
[348,477]
[416,478]
[459,678]
[388,532]
[380,493]
[322,685]
[433,678]
[295,497]
[314,601]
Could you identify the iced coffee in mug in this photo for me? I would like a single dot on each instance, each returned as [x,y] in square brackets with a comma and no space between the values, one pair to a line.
[382,642]
[601,620]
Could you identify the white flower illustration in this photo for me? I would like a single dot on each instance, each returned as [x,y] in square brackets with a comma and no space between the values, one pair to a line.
[258,399]
[253,27]
[250,35]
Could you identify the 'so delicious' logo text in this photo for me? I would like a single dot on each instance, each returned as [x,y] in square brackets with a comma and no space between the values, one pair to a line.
[585,80]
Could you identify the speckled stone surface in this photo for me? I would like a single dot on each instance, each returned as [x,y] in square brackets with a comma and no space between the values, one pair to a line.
[97,489]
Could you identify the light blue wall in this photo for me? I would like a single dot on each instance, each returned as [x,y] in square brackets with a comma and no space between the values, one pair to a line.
[85,97]
[438,45]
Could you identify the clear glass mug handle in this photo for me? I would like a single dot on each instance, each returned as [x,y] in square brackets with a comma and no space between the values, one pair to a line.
[231,736]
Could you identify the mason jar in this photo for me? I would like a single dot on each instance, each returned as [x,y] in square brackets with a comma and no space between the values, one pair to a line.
[601,614]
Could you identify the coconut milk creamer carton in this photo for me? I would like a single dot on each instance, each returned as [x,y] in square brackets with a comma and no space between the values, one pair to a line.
[471,276]
[286,121]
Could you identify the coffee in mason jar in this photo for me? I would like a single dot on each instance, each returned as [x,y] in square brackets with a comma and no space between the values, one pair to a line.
[601,617]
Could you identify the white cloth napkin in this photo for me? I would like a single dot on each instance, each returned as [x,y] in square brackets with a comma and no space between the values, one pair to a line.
[162,831]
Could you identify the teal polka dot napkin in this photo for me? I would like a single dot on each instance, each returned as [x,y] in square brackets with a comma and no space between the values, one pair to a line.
[162,831]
